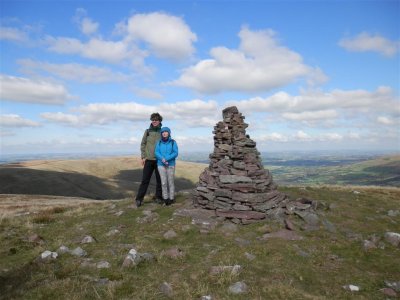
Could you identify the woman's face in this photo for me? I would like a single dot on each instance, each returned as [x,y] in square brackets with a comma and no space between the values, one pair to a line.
[165,134]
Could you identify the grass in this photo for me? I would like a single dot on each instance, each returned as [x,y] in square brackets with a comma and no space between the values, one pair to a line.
[313,268]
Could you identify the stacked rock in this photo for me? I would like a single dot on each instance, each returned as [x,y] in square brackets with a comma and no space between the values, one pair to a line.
[235,184]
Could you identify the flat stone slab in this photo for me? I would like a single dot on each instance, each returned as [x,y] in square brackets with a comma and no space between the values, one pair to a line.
[282,234]
[247,215]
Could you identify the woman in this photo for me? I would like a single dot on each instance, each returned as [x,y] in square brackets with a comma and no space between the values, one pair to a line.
[166,152]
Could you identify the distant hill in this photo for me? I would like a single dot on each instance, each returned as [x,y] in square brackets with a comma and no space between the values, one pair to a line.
[120,177]
[101,178]
[382,171]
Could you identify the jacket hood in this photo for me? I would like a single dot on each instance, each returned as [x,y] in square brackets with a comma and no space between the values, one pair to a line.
[166,129]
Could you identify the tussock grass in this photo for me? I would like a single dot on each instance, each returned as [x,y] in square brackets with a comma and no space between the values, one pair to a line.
[315,267]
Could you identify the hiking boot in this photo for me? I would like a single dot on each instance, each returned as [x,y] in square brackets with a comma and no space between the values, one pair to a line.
[158,201]
[139,203]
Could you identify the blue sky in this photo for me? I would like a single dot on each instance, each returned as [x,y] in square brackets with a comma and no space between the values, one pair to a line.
[84,76]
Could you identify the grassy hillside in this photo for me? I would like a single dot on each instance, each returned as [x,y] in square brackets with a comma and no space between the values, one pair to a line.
[384,171]
[105,178]
[317,266]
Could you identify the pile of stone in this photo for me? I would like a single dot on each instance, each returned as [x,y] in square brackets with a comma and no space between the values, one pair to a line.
[235,184]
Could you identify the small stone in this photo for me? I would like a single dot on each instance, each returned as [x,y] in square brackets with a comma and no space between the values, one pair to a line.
[393,238]
[103,265]
[351,288]
[88,239]
[78,251]
[393,285]
[170,234]
[389,292]
[113,232]
[166,289]
[238,288]
[249,256]
[48,255]
[63,249]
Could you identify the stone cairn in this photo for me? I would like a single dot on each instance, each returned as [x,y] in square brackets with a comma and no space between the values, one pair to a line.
[235,184]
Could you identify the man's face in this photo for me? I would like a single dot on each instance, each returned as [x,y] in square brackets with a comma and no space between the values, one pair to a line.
[165,134]
[155,122]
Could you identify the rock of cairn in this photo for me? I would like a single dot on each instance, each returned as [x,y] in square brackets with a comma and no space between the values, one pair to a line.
[235,184]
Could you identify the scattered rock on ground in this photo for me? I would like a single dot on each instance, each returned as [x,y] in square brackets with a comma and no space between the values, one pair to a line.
[88,239]
[351,288]
[166,289]
[170,234]
[393,238]
[233,270]
[238,288]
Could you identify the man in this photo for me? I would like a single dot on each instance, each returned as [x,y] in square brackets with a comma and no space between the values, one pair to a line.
[151,136]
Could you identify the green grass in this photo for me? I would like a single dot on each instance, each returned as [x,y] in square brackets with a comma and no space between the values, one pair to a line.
[313,268]
[383,171]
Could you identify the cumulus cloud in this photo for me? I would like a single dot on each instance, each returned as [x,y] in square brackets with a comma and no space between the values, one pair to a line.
[192,110]
[73,71]
[62,118]
[369,42]
[260,64]
[167,36]
[311,115]
[13,34]
[13,120]
[194,113]
[163,35]
[97,48]
[86,25]
[318,105]
[26,90]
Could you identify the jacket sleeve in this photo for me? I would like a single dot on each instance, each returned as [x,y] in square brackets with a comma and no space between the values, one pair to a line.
[157,151]
[143,145]
[174,152]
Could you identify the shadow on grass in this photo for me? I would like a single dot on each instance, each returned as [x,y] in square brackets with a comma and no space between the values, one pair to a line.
[130,180]
[38,182]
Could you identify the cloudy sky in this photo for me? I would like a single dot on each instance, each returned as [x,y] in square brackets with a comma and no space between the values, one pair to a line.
[84,76]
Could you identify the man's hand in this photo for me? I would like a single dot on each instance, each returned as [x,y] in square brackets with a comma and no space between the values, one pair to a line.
[143,160]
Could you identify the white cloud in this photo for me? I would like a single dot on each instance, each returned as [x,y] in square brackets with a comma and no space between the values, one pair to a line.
[89,27]
[368,42]
[115,142]
[314,105]
[194,113]
[260,64]
[13,34]
[302,136]
[272,137]
[386,120]
[74,71]
[104,113]
[95,48]
[167,36]
[13,120]
[311,115]
[147,93]
[191,110]
[62,118]
[86,25]
[26,90]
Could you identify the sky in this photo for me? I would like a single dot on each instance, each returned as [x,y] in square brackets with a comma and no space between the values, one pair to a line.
[85,76]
